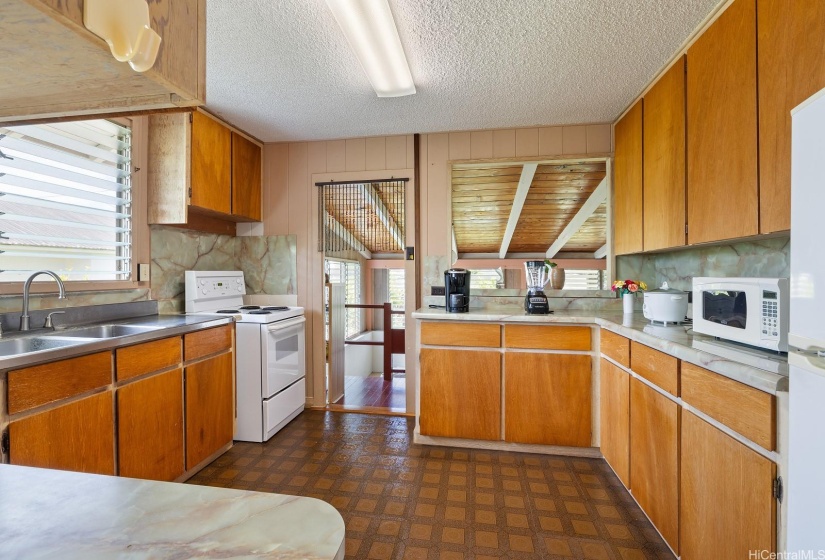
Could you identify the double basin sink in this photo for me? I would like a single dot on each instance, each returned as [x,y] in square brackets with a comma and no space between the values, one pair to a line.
[69,337]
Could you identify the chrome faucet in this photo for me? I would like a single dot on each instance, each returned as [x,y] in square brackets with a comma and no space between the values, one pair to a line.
[24,317]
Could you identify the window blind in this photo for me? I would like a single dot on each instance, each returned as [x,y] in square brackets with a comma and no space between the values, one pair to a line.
[487,279]
[396,290]
[348,273]
[65,200]
[576,279]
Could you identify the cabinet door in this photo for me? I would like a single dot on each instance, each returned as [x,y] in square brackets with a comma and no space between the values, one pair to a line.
[664,161]
[211,163]
[791,69]
[210,408]
[722,168]
[614,393]
[627,186]
[727,504]
[547,399]
[654,458]
[460,394]
[246,178]
[78,436]
[150,427]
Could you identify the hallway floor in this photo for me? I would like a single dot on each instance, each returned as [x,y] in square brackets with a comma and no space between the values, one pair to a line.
[373,392]
[405,501]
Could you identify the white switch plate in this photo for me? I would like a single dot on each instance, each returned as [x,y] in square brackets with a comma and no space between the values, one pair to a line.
[143,272]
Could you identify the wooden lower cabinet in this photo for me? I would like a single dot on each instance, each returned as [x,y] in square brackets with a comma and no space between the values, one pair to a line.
[614,398]
[210,415]
[460,393]
[727,506]
[78,436]
[547,399]
[150,427]
[654,458]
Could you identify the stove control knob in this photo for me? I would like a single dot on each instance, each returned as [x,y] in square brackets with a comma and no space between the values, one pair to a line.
[203,282]
[203,291]
[237,280]
[240,289]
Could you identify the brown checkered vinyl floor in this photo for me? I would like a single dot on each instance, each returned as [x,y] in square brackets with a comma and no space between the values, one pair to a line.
[405,501]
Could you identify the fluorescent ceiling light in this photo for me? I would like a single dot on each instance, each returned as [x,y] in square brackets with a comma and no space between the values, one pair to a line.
[371,32]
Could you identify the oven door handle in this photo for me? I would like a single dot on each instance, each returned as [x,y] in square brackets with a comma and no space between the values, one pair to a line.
[285,324]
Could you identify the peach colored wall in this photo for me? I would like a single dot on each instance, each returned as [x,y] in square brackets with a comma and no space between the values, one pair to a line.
[437,150]
[290,207]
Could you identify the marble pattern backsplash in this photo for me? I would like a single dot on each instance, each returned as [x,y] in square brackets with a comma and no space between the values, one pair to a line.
[763,258]
[269,262]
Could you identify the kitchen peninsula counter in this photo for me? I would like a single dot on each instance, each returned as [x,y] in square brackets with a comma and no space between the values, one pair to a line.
[760,369]
[58,514]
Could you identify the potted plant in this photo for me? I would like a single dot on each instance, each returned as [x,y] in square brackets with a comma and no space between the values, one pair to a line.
[556,275]
[627,289]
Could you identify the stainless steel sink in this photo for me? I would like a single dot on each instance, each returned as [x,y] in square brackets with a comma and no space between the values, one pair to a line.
[18,346]
[104,331]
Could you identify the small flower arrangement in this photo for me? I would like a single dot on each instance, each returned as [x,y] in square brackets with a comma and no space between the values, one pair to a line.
[628,286]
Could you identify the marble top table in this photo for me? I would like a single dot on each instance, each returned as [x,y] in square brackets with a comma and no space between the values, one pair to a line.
[56,514]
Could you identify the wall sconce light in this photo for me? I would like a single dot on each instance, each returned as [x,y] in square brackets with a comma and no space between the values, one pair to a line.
[124,25]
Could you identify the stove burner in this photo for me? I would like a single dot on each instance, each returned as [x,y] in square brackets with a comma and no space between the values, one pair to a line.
[276,308]
[259,312]
[226,311]
[247,307]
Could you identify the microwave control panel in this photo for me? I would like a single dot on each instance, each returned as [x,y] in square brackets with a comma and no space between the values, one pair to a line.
[770,314]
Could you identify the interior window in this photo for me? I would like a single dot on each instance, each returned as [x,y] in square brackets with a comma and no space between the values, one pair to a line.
[349,274]
[395,280]
[486,279]
[65,200]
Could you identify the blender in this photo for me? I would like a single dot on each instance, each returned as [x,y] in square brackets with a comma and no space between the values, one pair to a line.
[537,274]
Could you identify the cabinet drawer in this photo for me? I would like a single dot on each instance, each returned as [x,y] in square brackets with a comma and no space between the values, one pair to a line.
[547,337]
[146,358]
[657,367]
[615,347]
[35,386]
[482,335]
[210,341]
[744,409]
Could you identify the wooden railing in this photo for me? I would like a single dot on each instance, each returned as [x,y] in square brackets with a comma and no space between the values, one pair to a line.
[393,338]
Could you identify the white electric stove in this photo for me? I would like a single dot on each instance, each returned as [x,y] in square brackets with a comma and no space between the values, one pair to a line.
[270,358]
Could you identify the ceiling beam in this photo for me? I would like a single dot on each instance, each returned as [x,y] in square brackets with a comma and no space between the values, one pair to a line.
[601,252]
[587,209]
[382,212]
[524,182]
[338,229]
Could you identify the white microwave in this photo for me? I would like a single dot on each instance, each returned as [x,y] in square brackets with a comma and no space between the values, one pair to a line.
[753,311]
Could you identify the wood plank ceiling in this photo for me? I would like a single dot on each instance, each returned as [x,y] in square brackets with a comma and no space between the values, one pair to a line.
[482,198]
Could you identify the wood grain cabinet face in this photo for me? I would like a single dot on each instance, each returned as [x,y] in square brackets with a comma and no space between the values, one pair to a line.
[150,427]
[460,394]
[657,367]
[211,165]
[727,507]
[654,458]
[246,178]
[210,407]
[627,187]
[791,69]
[664,161]
[148,357]
[205,342]
[615,346]
[546,337]
[722,159]
[547,399]
[461,334]
[78,436]
[614,397]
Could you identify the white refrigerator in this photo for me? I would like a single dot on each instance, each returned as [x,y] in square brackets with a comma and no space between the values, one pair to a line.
[806,445]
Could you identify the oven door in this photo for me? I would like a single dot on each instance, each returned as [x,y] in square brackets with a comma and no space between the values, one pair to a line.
[283,354]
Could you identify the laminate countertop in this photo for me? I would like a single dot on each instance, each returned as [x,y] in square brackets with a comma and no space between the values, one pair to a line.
[57,514]
[761,369]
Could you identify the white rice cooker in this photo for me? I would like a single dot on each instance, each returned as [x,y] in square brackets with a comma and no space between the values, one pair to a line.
[665,305]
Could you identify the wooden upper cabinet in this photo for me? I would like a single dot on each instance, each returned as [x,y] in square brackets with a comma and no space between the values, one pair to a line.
[84,77]
[791,69]
[664,161]
[194,152]
[211,165]
[246,178]
[627,183]
[727,508]
[722,168]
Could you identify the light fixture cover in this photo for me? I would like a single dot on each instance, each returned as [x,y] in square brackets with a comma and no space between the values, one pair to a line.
[371,32]
[124,25]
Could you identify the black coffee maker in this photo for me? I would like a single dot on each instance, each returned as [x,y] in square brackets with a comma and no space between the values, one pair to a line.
[457,290]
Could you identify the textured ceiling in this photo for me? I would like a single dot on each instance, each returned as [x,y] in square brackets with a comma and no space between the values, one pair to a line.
[284,71]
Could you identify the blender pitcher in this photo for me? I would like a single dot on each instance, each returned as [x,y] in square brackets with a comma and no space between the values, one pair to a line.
[537,274]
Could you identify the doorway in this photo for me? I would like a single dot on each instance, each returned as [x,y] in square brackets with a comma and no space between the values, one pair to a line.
[361,233]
